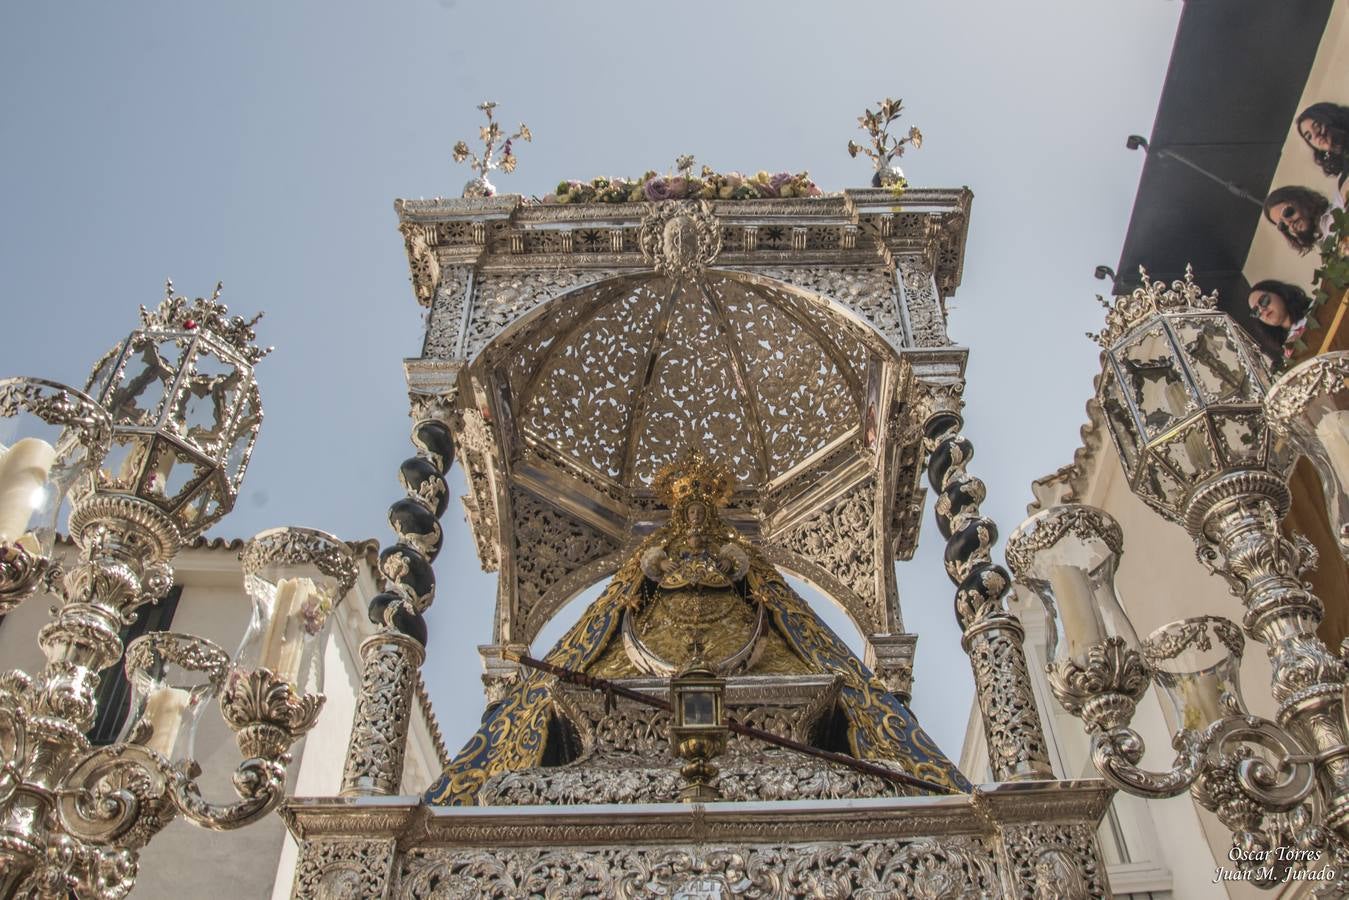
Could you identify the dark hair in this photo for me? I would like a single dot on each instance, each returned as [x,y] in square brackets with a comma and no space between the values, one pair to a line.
[1335,120]
[1294,298]
[1312,204]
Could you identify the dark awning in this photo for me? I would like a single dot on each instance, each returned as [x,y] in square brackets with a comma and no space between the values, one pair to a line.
[1232,89]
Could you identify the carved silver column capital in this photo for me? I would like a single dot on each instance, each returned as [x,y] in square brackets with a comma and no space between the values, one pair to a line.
[890,657]
[499,670]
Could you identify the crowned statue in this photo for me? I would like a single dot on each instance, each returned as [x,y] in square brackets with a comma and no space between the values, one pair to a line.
[694,589]
[694,586]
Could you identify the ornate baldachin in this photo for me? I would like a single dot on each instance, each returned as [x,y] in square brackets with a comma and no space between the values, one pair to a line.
[1152,298]
[206,316]
[885,147]
[709,185]
[390,660]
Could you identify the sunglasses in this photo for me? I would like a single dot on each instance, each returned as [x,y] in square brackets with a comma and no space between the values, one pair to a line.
[1288,213]
[1261,305]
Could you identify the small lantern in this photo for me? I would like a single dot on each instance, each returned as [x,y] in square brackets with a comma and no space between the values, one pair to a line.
[185,410]
[1068,555]
[1198,663]
[1182,389]
[52,437]
[295,577]
[1309,404]
[173,677]
[698,729]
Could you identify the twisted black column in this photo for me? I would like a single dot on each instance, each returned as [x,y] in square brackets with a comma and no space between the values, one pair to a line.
[390,659]
[992,635]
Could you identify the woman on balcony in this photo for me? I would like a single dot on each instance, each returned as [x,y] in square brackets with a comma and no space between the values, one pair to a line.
[1301,214]
[1325,128]
[1281,308]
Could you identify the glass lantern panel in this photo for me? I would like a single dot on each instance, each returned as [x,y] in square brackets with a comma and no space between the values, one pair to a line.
[1154,382]
[172,474]
[98,379]
[1161,484]
[699,708]
[151,366]
[1074,577]
[204,508]
[1119,419]
[1214,360]
[1241,437]
[1190,452]
[245,432]
[120,470]
[207,400]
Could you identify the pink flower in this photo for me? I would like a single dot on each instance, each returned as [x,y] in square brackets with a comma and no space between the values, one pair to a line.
[662,188]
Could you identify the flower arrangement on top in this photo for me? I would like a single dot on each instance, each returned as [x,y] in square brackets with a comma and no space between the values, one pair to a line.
[708,185]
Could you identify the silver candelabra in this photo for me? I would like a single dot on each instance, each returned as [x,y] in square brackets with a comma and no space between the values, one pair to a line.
[146,458]
[1202,436]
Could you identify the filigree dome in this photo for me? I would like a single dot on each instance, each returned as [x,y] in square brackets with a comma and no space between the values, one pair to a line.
[625,375]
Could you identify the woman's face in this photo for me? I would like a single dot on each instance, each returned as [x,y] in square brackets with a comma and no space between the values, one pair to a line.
[1290,218]
[1269,308]
[1314,133]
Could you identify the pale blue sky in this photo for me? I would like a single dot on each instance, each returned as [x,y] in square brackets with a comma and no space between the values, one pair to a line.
[263,144]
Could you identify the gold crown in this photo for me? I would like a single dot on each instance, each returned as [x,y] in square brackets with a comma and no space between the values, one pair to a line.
[694,476]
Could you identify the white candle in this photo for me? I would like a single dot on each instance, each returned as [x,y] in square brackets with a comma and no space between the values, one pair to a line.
[23,473]
[164,710]
[1200,697]
[1077,608]
[283,643]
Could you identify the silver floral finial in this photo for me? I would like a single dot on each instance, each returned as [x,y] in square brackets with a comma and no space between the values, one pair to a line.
[884,147]
[685,165]
[489,134]
[1153,297]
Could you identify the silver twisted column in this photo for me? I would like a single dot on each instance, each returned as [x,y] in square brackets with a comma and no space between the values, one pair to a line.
[993,636]
[391,658]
